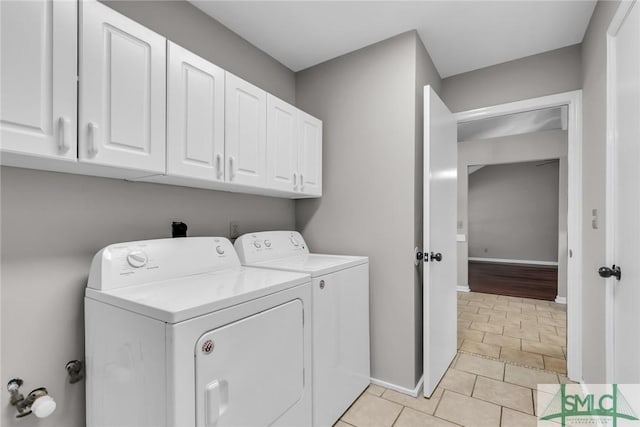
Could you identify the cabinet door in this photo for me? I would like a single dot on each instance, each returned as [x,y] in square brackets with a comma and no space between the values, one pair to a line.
[38,97]
[282,145]
[195,116]
[310,157]
[122,91]
[246,133]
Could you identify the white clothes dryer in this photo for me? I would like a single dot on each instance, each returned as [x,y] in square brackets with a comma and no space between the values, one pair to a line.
[178,333]
[341,363]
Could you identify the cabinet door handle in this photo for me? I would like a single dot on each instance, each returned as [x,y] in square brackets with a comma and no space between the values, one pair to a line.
[219,165]
[93,136]
[295,181]
[64,126]
[232,174]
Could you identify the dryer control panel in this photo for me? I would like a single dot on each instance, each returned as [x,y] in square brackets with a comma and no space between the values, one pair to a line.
[134,263]
[268,245]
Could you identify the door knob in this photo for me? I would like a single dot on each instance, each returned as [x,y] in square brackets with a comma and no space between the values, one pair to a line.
[607,272]
[436,257]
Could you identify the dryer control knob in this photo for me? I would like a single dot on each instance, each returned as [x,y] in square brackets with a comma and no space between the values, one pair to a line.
[137,259]
[220,250]
[267,243]
[257,244]
[294,241]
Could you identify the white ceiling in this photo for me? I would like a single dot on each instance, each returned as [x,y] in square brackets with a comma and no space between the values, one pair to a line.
[460,35]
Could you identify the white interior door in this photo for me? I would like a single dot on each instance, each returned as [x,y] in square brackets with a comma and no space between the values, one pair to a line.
[122,91]
[195,116]
[439,240]
[38,78]
[623,198]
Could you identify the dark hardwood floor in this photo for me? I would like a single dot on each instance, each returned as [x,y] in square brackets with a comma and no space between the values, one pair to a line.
[517,280]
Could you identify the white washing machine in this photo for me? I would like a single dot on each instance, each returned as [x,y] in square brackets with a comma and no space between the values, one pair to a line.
[341,364]
[178,333]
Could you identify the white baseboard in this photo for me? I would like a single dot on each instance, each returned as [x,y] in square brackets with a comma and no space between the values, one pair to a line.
[411,392]
[561,300]
[513,261]
[463,288]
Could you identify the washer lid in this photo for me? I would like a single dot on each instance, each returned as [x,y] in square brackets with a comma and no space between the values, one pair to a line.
[314,264]
[176,300]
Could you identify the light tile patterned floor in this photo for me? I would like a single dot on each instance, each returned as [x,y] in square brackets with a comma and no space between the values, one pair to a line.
[475,391]
[521,331]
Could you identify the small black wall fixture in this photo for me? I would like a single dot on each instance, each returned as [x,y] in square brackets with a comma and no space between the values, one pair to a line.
[178,229]
[74,370]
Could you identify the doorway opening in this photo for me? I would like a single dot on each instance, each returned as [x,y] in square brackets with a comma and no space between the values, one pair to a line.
[516,227]
[519,274]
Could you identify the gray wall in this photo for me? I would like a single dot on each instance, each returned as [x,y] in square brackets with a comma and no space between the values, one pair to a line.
[593,158]
[538,75]
[511,149]
[186,25]
[513,211]
[367,100]
[52,224]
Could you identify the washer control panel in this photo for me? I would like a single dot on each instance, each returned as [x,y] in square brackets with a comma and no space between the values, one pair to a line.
[267,245]
[134,263]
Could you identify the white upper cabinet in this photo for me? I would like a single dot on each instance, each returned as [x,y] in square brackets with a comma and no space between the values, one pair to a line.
[246,132]
[38,95]
[122,91]
[282,145]
[112,98]
[310,154]
[195,116]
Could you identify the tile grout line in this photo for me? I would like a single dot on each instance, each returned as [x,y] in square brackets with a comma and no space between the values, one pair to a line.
[475,382]
[398,416]
[510,362]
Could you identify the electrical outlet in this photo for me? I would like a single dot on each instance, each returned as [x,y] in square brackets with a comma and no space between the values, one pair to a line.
[234,229]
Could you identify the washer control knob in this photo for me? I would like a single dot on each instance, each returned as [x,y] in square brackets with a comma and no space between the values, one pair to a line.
[219,250]
[257,244]
[137,259]
[294,241]
[267,243]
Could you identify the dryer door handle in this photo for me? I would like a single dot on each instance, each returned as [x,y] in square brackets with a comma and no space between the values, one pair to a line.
[216,401]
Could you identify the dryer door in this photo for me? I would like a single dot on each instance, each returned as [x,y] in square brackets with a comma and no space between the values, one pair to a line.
[251,372]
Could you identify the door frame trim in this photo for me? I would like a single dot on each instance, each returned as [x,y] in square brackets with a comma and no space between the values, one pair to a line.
[612,31]
[573,101]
